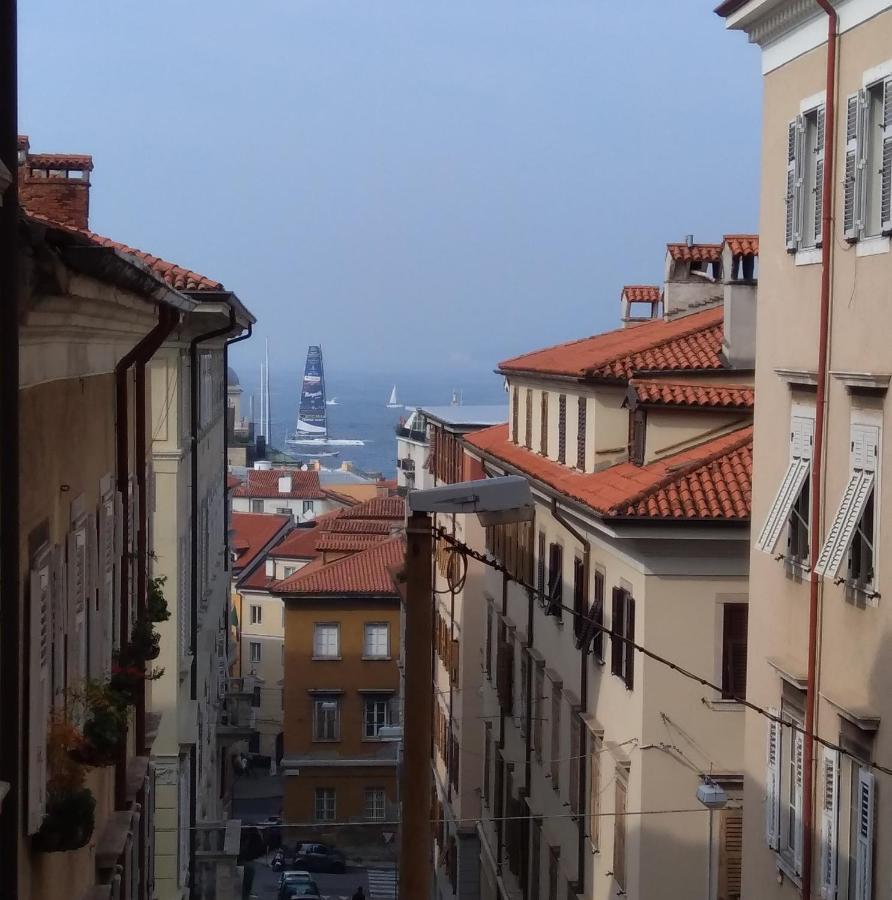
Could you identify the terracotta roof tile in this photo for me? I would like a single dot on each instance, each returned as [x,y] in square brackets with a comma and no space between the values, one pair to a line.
[336,541]
[298,544]
[251,532]
[378,508]
[362,526]
[743,244]
[265,483]
[368,572]
[642,293]
[232,480]
[688,343]
[709,481]
[708,394]
[695,253]
[343,499]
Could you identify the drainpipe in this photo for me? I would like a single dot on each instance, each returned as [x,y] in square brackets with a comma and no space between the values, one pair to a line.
[818,454]
[583,702]
[528,713]
[11,750]
[193,637]
[138,356]
[226,346]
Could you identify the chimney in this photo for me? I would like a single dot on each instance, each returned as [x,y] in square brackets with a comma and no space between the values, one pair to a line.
[692,278]
[740,254]
[55,185]
[285,484]
[270,568]
[639,303]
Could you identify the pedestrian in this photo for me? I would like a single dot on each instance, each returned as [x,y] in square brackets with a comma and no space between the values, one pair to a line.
[360,894]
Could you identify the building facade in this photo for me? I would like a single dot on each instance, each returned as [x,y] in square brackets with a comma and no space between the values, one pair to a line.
[817,564]
[294,492]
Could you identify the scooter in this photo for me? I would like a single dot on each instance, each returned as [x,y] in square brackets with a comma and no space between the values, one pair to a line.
[278,862]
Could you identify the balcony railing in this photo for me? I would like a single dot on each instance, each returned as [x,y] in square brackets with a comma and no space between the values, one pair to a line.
[238,718]
[413,434]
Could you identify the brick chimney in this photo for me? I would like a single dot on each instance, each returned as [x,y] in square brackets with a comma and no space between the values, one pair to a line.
[55,185]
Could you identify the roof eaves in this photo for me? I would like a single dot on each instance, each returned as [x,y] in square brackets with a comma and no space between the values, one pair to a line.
[243,315]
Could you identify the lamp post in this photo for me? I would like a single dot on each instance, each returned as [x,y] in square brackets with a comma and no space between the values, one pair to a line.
[712,797]
[495,501]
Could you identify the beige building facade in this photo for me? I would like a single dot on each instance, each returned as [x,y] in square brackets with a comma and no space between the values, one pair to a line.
[852,802]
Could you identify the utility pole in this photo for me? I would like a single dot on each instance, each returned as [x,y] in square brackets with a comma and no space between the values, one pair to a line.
[415,778]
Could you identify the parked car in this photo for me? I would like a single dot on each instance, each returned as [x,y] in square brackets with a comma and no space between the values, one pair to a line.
[319,858]
[299,891]
[292,880]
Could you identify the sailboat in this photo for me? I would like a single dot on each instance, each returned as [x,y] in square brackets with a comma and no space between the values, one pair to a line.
[393,403]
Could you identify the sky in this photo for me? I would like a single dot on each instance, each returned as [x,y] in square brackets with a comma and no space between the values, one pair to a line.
[412,184]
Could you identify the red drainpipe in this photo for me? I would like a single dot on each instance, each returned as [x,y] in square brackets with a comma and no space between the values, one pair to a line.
[138,356]
[818,455]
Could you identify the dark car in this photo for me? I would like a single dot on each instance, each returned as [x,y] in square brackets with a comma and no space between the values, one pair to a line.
[318,858]
[296,884]
[299,891]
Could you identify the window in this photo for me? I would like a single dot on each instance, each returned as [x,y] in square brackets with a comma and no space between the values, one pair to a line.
[791,504]
[597,614]
[619,827]
[524,675]
[562,428]
[325,805]
[555,762]
[862,813]
[538,710]
[254,651]
[256,697]
[580,597]
[734,650]
[594,808]
[580,433]
[515,416]
[867,206]
[730,854]
[622,655]
[307,506]
[528,423]
[554,865]
[257,506]
[536,859]
[375,807]
[376,714]
[256,614]
[487,760]
[543,424]
[540,566]
[784,786]
[637,436]
[555,581]
[805,174]
[287,572]
[326,719]
[853,528]
[377,640]
[326,641]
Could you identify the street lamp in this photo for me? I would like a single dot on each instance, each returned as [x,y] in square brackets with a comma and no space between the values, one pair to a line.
[495,501]
[713,797]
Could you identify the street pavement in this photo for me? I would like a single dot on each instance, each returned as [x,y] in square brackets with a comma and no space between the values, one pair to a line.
[378,883]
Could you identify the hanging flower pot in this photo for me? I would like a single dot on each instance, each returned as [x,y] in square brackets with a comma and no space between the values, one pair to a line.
[68,823]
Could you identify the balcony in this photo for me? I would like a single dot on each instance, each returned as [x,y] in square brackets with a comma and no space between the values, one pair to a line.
[406,465]
[217,873]
[237,719]
[412,434]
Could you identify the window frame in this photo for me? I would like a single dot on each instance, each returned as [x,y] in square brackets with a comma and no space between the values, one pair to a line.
[256,614]
[320,724]
[372,702]
[329,797]
[374,794]
[366,654]
[317,630]
[255,651]
[731,688]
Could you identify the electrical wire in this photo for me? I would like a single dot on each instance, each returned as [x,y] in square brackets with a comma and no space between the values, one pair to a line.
[548,602]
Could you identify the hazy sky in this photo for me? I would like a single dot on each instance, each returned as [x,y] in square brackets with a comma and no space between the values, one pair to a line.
[410,183]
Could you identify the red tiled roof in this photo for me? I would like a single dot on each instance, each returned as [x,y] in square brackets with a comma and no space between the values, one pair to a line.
[664,393]
[252,532]
[368,572]
[344,499]
[81,161]
[695,253]
[362,526]
[743,244]
[688,343]
[265,483]
[232,480]
[710,481]
[336,541]
[299,544]
[642,293]
[378,508]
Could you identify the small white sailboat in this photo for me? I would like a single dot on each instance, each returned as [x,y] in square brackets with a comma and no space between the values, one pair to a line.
[332,402]
[393,403]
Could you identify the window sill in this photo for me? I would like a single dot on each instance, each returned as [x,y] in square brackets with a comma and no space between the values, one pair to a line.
[808,257]
[376,658]
[859,594]
[871,246]
[326,740]
[796,570]
[720,704]
[785,866]
[326,658]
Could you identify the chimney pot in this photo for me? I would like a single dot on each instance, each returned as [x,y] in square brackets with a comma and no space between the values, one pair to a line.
[689,240]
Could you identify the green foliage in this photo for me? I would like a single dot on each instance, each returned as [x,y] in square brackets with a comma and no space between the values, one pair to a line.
[157,608]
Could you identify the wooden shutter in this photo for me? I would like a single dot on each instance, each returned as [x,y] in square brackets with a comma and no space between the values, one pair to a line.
[628,651]
[617,626]
[580,433]
[798,744]
[543,425]
[515,415]
[794,142]
[555,581]
[865,810]
[76,632]
[734,650]
[39,633]
[772,782]
[94,601]
[886,171]
[619,833]
[528,423]
[819,174]
[580,598]
[540,568]
[852,178]
[106,581]
[730,854]
[59,624]
[562,428]
[597,614]
[829,787]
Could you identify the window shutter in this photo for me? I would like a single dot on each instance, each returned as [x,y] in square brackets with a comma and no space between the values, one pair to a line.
[802,436]
[59,624]
[106,580]
[798,761]
[850,192]
[119,553]
[819,174]
[93,604]
[864,831]
[730,854]
[39,631]
[628,651]
[829,805]
[783,502]
[77,595]
[772,783]
[886,183]
[841,532]
[616,626]
[792,197]
[865,447]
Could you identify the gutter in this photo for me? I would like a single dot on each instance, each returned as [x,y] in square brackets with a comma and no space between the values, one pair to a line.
[226,523]
[818,450]
[583,702]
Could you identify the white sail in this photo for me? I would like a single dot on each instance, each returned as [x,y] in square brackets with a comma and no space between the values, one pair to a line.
[393,401]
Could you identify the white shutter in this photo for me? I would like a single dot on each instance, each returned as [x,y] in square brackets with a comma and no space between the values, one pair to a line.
[802,437]
[39,632]
[852,180]
[772,783]
[886,171]
[94,603]
[829,806]
[841,532]
[106,581]
[783,502]
[819,174]
[865,447]
[60,625]
[119,553]
[864,832]
[794,154]
[798,744]
[76,632]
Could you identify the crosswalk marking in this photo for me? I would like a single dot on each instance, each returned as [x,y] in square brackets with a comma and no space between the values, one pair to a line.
[382,884]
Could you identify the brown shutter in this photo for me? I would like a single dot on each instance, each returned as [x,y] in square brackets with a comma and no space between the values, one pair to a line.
[618,628]
[628,652]
[580,435]
[528,424]
[543,425]
[619,834]
[562,428]
[515,416]
[597,613]
[580,598]
[734,650]
[730,853]
[505,675]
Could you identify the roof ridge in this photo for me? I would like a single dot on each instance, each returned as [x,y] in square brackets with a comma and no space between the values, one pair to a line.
[746,435]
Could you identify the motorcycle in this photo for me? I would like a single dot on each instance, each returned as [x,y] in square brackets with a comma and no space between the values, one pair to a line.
[278,862]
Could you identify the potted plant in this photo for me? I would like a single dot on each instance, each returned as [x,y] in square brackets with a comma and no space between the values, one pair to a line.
[105,726]
[156,605]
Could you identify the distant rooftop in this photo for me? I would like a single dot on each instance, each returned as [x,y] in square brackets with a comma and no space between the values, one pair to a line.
[343,476]
[467,415]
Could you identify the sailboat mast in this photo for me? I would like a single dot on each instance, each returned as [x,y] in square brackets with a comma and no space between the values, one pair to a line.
[268,438]
[262,431]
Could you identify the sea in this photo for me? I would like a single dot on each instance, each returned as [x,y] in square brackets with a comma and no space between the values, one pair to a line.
[361,411]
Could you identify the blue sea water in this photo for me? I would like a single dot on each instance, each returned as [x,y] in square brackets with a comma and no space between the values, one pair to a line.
[361,411]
